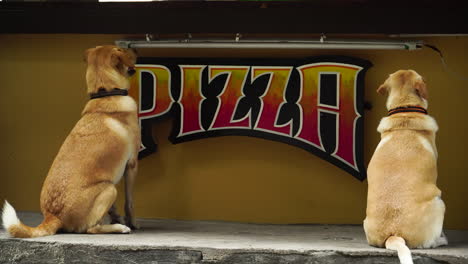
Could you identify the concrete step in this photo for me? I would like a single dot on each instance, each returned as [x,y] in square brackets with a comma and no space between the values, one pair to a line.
[171,241]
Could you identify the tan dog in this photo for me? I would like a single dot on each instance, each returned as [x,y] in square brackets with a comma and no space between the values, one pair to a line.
[102,147]
[403,204]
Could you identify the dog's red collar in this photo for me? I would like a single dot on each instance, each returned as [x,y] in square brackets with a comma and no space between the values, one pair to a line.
[103,93]
[407,109]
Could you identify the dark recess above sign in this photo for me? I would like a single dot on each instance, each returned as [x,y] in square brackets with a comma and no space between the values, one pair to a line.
[256,17]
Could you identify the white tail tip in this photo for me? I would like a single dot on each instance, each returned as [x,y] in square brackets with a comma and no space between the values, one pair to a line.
[399,244]
[9,217]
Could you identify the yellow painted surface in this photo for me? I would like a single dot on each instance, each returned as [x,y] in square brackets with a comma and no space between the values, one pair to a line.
[227,178]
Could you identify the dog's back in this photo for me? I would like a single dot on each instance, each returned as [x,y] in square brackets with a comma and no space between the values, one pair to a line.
[401,176]
[102,148]
[404,208]
[95,152]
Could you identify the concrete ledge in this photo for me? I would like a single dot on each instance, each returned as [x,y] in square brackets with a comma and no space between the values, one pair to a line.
[170,241]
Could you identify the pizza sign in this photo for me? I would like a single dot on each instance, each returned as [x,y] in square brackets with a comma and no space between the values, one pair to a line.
[315,104]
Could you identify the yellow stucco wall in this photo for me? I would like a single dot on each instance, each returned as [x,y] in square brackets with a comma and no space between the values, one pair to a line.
[227,178]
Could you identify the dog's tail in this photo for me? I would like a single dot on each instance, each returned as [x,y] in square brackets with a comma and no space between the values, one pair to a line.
[15,228]
[398,243]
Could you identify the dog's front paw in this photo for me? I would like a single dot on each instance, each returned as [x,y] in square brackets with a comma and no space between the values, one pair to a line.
[131,222]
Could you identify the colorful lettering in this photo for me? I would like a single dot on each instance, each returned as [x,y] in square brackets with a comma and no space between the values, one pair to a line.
[272,99]
[229,97]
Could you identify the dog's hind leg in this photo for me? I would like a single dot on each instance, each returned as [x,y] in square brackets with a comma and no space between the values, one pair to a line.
[432,224]
[103,202]
[438,220]
[130,174]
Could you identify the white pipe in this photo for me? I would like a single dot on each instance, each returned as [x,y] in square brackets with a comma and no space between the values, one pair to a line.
[426,35]
[272,44]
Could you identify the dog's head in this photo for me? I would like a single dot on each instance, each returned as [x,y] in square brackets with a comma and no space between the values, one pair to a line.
[109,67]
[404,87]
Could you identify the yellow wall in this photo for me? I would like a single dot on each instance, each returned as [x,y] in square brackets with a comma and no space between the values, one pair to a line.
[228,178]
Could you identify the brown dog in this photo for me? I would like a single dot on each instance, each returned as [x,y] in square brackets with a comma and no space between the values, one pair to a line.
[403,204]
[102,147]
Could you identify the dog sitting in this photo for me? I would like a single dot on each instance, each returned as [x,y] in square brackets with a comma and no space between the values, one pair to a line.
[102,147]
[404,205]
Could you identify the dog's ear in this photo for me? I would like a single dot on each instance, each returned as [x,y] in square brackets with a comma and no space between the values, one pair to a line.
[383,89]
[124,57]
[421,88]
[86,54]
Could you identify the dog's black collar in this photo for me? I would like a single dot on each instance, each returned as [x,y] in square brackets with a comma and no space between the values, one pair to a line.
[103,93]
[407,109]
